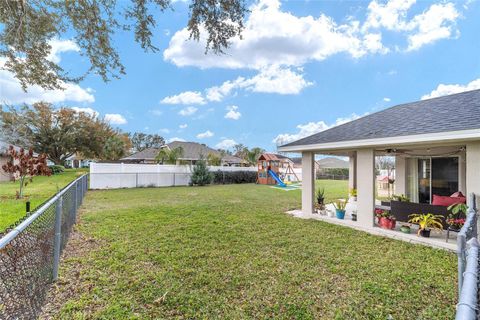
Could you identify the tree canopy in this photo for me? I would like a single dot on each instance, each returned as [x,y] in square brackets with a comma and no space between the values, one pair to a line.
[169,156]
[142,141]
[57,132]
[28,27]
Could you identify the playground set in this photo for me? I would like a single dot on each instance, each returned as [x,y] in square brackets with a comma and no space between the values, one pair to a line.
[275,169]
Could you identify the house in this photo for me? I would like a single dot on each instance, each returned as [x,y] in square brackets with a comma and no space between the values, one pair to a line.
[78,161]
[435,142]
[4,159]
[192,152]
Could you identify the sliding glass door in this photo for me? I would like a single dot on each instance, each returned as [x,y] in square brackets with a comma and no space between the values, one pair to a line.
[444,176]
[429,176]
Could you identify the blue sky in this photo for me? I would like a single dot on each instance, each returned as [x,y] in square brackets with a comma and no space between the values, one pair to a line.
[302,66]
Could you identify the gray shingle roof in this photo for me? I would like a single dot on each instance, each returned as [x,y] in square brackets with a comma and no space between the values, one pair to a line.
[191,151]
[454,112]
[332,163]
[147,154]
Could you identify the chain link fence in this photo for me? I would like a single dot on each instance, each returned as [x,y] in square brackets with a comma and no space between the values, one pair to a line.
[30,252]
[468,266]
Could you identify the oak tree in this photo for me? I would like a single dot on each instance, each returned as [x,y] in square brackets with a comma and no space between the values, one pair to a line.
[28,27]
[57,132]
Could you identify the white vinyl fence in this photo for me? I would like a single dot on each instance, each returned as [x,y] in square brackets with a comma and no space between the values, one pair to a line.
[121,175]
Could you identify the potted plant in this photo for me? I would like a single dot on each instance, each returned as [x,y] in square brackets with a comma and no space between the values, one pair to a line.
[426,223]
[340,206]
[353,194]
[456,219]
[385,219]
[320,203]
[405,228]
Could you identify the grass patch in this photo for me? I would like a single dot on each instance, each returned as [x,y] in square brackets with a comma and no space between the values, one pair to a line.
[230,252]
[37,192]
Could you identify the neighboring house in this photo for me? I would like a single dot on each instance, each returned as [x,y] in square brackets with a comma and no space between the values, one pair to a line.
[324,163]
[78,161]
[435,142]
[192,152]
[4,159]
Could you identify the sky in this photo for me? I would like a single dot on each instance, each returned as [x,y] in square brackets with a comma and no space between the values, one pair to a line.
[301,67]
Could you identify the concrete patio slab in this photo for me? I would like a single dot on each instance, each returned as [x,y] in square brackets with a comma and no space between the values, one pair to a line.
[436,240]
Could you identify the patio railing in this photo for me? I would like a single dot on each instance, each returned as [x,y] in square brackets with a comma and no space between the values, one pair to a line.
[468,254]
[30,252]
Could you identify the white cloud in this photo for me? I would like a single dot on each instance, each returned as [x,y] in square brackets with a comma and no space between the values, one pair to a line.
[390,15]
[11,91]
[273,36]
[91,112]
[59,46]
[183,126]
[310,128]
[175,139]
[226,144]
[206,134]
[446,89]
[276,37]
[115,118]
[188,111]
[387,99]
[233,113]
[187,97]
[436,23]
[271,79]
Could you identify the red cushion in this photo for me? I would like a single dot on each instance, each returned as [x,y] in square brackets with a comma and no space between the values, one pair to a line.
[458,194]
[446,201]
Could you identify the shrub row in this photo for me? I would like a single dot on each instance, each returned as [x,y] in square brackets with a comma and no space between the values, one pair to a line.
[56,169]
[229,177]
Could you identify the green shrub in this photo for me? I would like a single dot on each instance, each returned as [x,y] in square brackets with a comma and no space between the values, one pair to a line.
[56,169]
[201,175]
[229,177]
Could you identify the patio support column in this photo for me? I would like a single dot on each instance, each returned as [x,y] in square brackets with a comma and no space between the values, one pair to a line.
[473,170]
[400,175]
[308,181]
[462,172]
[352,171]
[366,187]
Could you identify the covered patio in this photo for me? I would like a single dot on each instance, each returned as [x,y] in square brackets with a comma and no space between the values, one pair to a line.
[435,143]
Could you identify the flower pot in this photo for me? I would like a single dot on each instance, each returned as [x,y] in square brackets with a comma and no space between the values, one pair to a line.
[354,217]
[424,233]
[340,214]
[405,229]
[386,223]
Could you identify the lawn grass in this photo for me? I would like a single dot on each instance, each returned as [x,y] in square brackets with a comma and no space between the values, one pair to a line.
[231,252]
[37,192]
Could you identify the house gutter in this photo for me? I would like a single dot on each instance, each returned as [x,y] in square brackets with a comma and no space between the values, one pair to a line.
[428,138]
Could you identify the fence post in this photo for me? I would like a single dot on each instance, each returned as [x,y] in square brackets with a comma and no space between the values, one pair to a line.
[174,180]
[58,237]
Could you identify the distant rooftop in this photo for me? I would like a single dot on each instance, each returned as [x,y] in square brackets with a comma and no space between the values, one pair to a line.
[454,112]
[191,151]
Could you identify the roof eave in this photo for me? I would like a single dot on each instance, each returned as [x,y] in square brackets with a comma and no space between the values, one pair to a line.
[431,138]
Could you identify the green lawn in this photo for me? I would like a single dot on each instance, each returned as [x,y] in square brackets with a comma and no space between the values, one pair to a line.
[230,252]
[37,192]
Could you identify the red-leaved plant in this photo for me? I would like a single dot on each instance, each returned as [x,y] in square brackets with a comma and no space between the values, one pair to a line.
[24,166]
